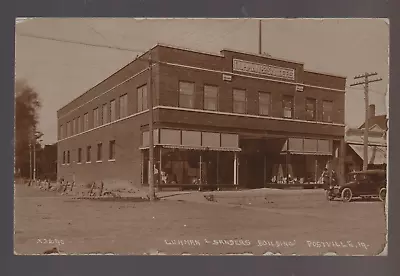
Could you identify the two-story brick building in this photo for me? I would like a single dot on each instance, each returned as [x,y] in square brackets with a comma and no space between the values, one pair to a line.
[232,118]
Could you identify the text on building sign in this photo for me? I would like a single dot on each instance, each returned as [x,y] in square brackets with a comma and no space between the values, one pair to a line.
[263,69]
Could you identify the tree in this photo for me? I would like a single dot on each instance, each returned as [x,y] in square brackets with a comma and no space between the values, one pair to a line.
[27,105]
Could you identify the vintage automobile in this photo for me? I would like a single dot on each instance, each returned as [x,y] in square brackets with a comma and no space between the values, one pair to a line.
[364,184]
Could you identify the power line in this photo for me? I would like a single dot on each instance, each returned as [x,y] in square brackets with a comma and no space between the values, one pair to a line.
[370,90]
[82,43]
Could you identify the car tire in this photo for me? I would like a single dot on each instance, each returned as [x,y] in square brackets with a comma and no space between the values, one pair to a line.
[382,194]
[347,195]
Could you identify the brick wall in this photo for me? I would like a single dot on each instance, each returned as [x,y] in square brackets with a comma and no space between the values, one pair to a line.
[126,167]
[170,76]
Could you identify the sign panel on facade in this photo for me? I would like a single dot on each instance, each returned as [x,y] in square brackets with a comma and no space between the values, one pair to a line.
[299,88]
[226,77]
[263,69]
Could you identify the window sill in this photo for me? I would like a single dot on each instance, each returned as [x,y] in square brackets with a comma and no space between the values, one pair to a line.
[99,161]
[78,163]
[89,162]
[111,160]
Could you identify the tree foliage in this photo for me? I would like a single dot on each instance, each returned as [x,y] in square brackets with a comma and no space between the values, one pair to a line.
[27,105]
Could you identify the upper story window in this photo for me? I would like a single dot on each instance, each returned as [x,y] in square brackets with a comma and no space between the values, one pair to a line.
[123,106]
[111,153]
[104,115]
[68,129]
[210,97]
[86,121]
[61,131]
[311,107]
[88,154]
[142,98]
[79,155]
[96,117]
[186,94]
[99,151]
[78,125]
[327,111]
[113,114]
[264,103]
[288,106]
[73,127]
[239,101]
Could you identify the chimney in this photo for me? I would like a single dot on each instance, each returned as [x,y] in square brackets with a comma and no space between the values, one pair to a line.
[371,111]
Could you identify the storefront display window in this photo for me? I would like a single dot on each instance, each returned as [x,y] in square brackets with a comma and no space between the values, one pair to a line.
[301,161]
[190,167]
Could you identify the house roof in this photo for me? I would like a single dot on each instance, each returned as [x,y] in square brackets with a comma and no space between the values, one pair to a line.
[379,120]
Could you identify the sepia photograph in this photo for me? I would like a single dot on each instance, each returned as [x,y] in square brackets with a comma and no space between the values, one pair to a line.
[251,136]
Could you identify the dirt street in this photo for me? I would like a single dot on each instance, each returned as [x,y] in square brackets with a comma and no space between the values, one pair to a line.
[299,222]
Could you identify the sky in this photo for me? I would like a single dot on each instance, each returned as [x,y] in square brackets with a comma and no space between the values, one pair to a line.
[59,57]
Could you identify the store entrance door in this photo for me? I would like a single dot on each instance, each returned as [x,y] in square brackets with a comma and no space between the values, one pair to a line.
[255,171]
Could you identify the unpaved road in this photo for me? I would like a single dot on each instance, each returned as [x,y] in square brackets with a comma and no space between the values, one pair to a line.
[285,222]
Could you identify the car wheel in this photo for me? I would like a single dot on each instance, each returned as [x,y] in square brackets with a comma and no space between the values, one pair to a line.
[347,195]
[382,194]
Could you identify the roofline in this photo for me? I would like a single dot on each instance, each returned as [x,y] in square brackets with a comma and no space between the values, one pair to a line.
[187,49]
[325,73]
[263,56]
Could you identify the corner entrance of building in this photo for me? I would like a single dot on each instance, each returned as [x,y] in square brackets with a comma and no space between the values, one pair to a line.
[267,162]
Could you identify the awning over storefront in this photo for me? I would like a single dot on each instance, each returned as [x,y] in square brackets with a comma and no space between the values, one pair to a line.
[377,155]
[304,146]
[226,149]
[309,153]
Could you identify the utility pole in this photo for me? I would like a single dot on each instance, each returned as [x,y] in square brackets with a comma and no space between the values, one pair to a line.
[34,159]
[366,83]
[30,157]
[37,135]
[152,195]
[259,38]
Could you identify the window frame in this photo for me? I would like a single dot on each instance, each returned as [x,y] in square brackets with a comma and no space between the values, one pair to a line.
[86,121]
[111,150]
[286,97]
[216,98]
[96,116]
[324,112]
[180,99]
[234,101]
[89,154]
[123,106]
[99,153]
[68,157]
[61,131]
[113,111]
[307,100]
[79,156]
[104,114]
[78,125]
[260,104]
[140,96]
